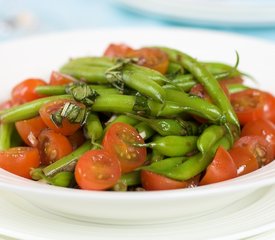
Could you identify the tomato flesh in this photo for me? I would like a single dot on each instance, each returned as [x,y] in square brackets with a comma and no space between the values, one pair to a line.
[58,78]
[53,146]
[66,128]
[97,170]
[20,160]
[30,129]
[25,91]
[117,50]
[119,140]
[221,168]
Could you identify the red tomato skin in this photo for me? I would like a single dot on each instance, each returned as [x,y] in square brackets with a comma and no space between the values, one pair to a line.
[117,50]
[154,182]
[253,104]
[6,105]
[53,146]
[97,170]
[261,127]
[25,91]
[20,160]
[57,79]
[30,129]
[222,168]
[66,127]
[114,143]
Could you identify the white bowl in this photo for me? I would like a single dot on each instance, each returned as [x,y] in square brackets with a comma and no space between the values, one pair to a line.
[38,56]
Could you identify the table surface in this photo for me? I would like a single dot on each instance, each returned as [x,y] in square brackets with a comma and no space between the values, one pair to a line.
[19,18]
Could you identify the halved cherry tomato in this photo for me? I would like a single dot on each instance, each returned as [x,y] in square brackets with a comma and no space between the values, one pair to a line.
[117,50]
[30,129]
[152,181]
[53,146]
[253,104]
[66,128]
[232,80]
[261,127]
[97,170]
[250,153]
[58,78]
[20,160]
[25,91]
[77,139]
[152,58]
[222,168]
[119,140]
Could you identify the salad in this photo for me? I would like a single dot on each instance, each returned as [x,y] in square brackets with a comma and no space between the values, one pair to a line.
[152,118]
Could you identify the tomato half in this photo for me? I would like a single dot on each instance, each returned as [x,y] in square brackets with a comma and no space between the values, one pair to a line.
[25,91]
[58,78]
[250,153]
[6,105]
[77,139]
[151,181]
[221,168]
[97,170]
[66,128]
[53,146]
[119,140]
[253,104]
[30,129]
[20,160]
[152,58]
[117,50]
[261,127]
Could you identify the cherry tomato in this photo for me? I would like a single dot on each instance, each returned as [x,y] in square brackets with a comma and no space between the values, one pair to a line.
[250,153]
[30,129]
[119,140]
[151,57]
[58,78]
[152,181]
[261,127]
[232,80]
[253,104]
[66,128]
[6,105]
[53,146]
[117,50]
[20,160]
[25,91]
[77,139]
[222,168]
[97,170]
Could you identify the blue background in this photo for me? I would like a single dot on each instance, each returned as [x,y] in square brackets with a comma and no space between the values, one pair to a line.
[60,15]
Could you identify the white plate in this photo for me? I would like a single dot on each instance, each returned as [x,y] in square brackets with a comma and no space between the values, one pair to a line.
[244,13]
[39,55]
[253,215]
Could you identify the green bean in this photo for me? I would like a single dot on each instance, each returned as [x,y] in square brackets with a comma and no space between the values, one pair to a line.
[165,165]
[86,73]
[145,131]
[234,88]
[197,163]
[207,80]
[124,119]
[138,78]
[58,90]
[174,69]
[173,146]
[210,136]
[27,110]
[166,127]
[222,68]
[6,130]
[131,178]
[92,61]
[68,162]
[156,156]
[93,127]
[196,105]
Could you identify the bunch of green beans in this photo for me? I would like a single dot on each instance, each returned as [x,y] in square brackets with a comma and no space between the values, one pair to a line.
[158,106]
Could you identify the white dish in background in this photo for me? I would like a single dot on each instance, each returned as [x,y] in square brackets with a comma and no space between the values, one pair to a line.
[244,13]
[38,56]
